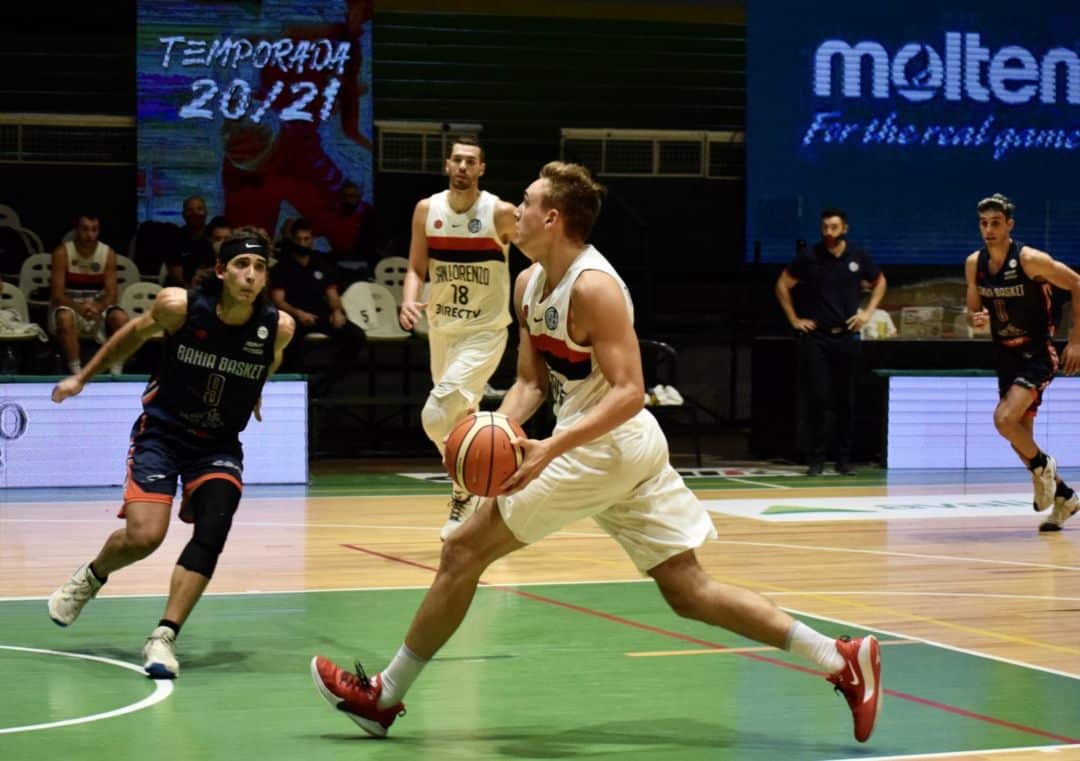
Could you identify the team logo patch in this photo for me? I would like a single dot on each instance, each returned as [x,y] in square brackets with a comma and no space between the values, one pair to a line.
[200,335]
[1012,264]
[262,332]
[95,266]
[853,266]
[317,274]
[551,318]
[438,224]
[474,225]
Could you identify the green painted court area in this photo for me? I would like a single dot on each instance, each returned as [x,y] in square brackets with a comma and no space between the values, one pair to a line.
[536,672]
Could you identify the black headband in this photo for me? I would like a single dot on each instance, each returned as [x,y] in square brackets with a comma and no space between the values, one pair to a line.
[231,249]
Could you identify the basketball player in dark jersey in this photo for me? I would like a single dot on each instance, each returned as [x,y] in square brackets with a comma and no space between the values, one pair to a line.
[223,339]
[1008,284]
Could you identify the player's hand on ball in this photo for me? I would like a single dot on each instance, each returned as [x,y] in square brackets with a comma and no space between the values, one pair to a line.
[537,456]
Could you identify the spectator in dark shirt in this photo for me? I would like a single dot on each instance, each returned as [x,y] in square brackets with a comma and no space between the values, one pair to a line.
[303,284]
[194,251]
[827,320]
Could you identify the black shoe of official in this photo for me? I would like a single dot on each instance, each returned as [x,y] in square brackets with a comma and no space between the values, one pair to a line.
[845,469]
[815,469]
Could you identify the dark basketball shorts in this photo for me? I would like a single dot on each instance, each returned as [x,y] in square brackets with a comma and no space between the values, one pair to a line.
[160,457]
[1030,367]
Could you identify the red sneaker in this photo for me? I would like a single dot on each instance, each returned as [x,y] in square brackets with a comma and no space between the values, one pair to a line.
[355,695]
[860,681]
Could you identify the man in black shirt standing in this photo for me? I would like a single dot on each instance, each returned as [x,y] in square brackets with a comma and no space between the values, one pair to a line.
[1008,285]
[827,319]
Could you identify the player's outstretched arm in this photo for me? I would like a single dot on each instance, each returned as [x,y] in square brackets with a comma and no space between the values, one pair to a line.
[167,315]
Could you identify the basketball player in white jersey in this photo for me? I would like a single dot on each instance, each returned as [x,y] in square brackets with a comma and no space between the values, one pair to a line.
[83,292]
[606,459]
[460,244]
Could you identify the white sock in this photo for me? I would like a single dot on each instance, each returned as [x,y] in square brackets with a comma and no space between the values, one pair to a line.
[815,647]
[398,677]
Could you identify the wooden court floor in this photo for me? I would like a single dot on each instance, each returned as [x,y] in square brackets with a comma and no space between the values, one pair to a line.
[567,651]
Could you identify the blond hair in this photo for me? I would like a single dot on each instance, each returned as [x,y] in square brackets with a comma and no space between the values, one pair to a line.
[575,194]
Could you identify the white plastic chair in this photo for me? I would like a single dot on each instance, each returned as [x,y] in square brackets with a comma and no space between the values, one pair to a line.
[138,298]
[36,272]
[127,274]
[9,217]
[12,297]
[372,307]
[33,240]
[390,272]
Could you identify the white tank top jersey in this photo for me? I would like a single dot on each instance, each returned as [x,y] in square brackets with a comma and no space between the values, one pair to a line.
[467,267]
[85,277]
[576,382]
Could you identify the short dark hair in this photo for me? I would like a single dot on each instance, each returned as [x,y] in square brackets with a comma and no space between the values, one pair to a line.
[577,196]
[832,211]
[85,214]
[218,223]
[300,223]
[465,140]
[997,202]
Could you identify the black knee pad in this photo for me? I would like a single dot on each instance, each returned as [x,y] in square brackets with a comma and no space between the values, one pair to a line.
[213,505]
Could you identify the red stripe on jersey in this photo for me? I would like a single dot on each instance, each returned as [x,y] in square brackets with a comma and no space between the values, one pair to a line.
[463,244]
[84,278]
[558,348]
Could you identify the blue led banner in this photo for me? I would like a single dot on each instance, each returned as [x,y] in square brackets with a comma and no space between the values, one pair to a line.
[262,108]
[906,116]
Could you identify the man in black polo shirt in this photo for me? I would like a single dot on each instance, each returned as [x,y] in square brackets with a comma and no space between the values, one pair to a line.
[303,284]
[827,319]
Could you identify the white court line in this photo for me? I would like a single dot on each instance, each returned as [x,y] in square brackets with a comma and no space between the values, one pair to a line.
[299,524]
[162,689]
[1047,749]
[879,593]
[891,553]
[406,587]
[935,643]
[745,481]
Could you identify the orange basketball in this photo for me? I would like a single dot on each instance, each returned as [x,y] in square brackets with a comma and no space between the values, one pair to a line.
[479,455]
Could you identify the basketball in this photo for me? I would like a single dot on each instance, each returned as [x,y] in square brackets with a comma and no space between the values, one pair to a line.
[479,455]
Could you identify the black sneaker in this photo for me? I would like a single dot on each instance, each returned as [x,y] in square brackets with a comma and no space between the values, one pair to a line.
[815,469]
[845,469]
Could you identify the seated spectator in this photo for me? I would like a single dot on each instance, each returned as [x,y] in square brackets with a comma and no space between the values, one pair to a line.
[195,251]
[83,292]
[155,244]
[303,284]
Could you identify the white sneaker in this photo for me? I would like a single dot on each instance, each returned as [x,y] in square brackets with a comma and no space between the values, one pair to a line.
[67,602]
[159,654]
[460,510]
[490,392]
[1063,510]
[674,397]
[1044,480]
[116,369]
